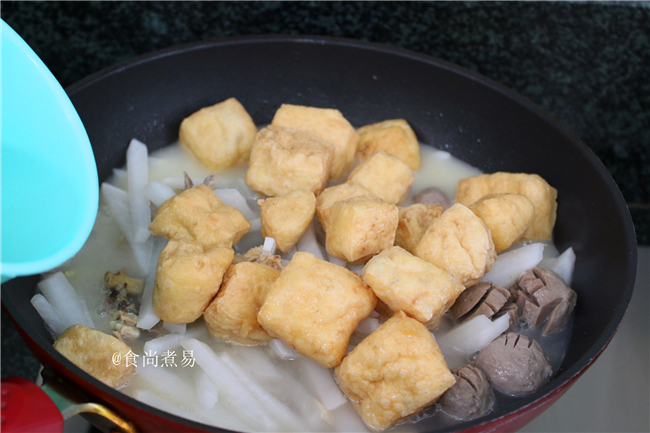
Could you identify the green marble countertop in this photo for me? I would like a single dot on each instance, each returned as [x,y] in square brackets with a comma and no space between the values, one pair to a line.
[586,63]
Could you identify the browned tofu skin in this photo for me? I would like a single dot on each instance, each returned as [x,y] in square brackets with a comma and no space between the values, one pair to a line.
[187,278]
[395,372]
[385,176]
[508,216]
[333,194]
[197,214]
[287,159]
[95,352]
[315,306]
[539,192]
[326,123]
[286,218]
[232,315]
[405,282]
[220,136]
[413,223]
[459,243]
[360,227]
[392,136]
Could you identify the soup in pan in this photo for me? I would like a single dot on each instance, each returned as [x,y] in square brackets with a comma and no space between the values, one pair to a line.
[310,276]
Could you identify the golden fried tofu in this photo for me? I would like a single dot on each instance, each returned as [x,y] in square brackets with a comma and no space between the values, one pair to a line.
[360,227]
[232,315]
[405,282]
[508,216]
[315,306]
[197,214]
[385,176]
[413,222]
[333,194]
[187,278]
[326,123]
[220,136]
[539,192]
[287,159]
[286,218]
[395,372]
[392,136]
[459,243]
[95,353]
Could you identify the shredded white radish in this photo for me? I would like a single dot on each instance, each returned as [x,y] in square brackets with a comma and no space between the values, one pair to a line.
[234,198]
[346,419]
[563,265]
[368,325]
[179,182]
[137,169]
[510,265]
[308,243]
[229,385]
[147,318]
[175,328]
[160,344]
[268,249]
[158,193]
[282,350]
[268,400]
[322,383]
[206,390]
[66,301]
[49,314]
[475,334]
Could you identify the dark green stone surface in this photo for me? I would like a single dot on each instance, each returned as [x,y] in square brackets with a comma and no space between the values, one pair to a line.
[586,63]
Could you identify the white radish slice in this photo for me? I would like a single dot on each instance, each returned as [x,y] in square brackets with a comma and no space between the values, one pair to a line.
[66,301]
[161,344]
[368,325]
[234,198]
[120,179]
[48,314]
[282,350]
[309,244]
[355,268]
[179,182]
[346,419]
[336,260]
[510,265]
[256,225]
[137,168]
[175,328]
[268,400]
[322,383]
[147,318]
[268,248]
[230,387]
[289,254]
[206,390]
[475,334]
[563,265]
[158,193]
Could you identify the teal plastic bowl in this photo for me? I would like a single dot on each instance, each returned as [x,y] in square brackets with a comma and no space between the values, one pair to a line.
[50,188]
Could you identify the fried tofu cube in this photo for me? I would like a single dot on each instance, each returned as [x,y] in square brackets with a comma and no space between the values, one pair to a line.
[394,137]
[187,278]
[405,282]
[315,306]
[220,136]
[326,123]
[286,218]
[360,227]
[395,372]
[459,243]
[385,176]
[334,194]
[197,214]
[413,222]
[539,192]
[287,159]
[95,352]
[232,315]
[508,216]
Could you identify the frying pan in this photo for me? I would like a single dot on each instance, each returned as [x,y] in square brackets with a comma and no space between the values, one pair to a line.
[450,108]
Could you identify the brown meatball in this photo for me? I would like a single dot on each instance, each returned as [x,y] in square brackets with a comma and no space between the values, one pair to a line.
[471,397]
[514,364]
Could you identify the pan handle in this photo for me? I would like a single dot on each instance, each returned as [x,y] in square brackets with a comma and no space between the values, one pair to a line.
[53,402]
